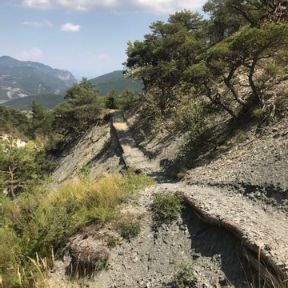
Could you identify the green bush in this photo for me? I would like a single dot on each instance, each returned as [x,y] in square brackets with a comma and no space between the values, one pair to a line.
[112,241]
[10,252]
[166,206]
[185,277]
[258,113]
[129,229]
[40,221]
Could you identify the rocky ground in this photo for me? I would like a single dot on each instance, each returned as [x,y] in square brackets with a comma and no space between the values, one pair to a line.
[237,209]
[258,166]
[98,150]
[153,258]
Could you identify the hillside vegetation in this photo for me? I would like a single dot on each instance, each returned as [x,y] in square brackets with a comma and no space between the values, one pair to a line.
[117,82]
[48,101]
[109,85]
[229,63]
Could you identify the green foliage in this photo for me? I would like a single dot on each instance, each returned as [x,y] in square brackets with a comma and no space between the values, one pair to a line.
[185,277]
[156,60]
[210,56]
[40,221]
[125,99]
[258,113]
[19,166]
[116,81]
[190,116]
[13,122]
[84,172]
[197,71]
[49,101]
[166,206]
[10,252]
[41,121]
[51,226]
[129,229]
[79,112]
[112,241]
[110,100]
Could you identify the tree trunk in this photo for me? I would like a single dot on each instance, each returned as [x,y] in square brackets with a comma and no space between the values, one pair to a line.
[217,101]
[234,92]
[256,93]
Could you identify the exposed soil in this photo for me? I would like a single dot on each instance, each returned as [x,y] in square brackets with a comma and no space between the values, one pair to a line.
[98,150]
[258,166]
[237,207]
[153,258]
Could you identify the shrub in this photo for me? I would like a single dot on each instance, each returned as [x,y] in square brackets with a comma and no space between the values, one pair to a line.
[185,277]
[166,206]
[129,229]
[44,220]
[112,241]
[258,113]
[9,257]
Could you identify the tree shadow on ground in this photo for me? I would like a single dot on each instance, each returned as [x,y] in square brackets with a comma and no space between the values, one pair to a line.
[221,246]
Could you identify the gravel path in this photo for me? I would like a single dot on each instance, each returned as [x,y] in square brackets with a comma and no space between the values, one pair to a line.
[153,258]
[263,229]
[219,226]
[132,155]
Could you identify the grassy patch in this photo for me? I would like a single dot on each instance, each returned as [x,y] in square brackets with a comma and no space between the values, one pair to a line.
[166,207]
[40,221]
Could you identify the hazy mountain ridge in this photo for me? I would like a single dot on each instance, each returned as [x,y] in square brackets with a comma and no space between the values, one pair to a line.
[104,83]
[117,82]
[19,79]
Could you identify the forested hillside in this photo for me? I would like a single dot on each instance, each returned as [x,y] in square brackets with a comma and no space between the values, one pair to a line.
[117,82]
[231,60]
[19,79]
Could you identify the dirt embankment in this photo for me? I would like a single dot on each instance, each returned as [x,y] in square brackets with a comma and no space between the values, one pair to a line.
[97,151]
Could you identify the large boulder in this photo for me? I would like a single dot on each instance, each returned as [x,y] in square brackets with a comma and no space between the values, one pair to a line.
[87,257]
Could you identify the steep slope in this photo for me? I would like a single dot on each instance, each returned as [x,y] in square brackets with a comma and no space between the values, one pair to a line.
[19,79]
[255,222]
[117,82]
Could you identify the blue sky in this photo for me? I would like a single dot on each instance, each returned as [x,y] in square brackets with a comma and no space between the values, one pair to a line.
[87,37]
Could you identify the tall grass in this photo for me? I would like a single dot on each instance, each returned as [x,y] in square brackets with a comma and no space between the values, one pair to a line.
[40,221]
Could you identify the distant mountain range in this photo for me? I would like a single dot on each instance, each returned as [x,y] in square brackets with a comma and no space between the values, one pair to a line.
[19,79]
[48,101]
[22,82]
[117,82]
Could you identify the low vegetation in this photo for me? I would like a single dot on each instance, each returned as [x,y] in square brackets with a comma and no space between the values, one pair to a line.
[129,229]
[166,206]
[185,277]
[39,222]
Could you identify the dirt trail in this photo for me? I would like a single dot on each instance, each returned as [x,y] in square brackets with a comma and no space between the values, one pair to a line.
[262,229]
[132,155]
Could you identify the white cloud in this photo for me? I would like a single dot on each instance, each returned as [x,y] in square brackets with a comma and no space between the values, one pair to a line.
[38,24]
[69,27]
[37,3]
[158,6]
[33,54]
